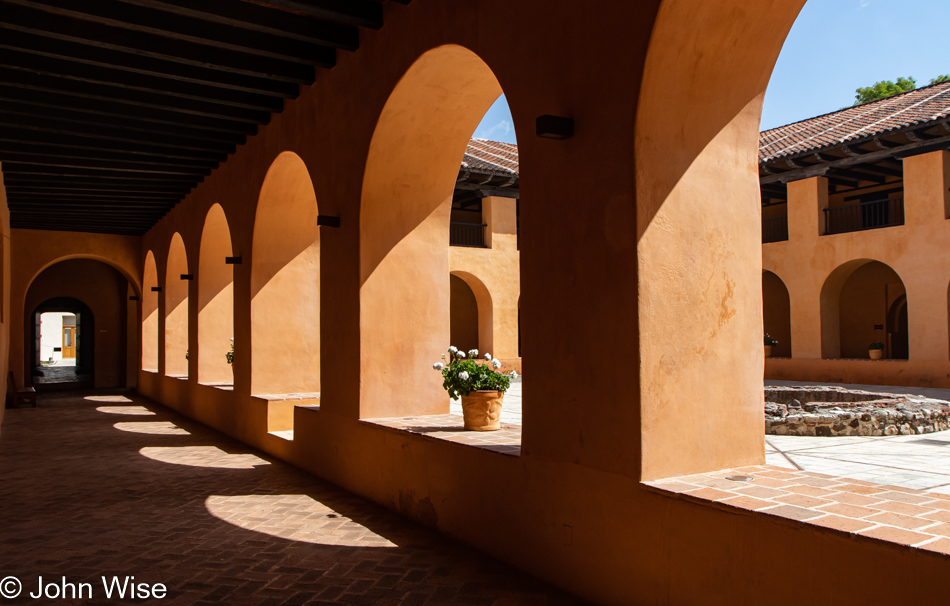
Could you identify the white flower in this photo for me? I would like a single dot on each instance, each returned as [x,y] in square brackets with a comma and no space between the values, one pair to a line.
[461,354]
[463,376]
[453,349]
[438,366]
[488,356]
[473,353]
[514,375]
[495,363]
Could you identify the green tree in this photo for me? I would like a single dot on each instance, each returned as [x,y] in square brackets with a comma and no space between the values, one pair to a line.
[883,89]
[939,79]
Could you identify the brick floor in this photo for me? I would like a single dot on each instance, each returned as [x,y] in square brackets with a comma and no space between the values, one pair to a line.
[118,485]
[891,513]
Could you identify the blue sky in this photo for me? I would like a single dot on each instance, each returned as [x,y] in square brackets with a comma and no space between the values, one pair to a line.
[834,47]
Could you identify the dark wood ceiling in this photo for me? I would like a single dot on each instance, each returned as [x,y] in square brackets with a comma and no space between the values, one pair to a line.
[111,111]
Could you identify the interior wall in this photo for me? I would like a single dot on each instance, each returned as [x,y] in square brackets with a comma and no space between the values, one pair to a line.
[5,276]
[776,314]
[103,290]
[464,315]
[866,297]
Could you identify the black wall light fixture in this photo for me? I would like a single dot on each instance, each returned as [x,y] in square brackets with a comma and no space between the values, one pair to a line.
[156,289]
[328,221]
[232,260]
[187,276]
[554,127]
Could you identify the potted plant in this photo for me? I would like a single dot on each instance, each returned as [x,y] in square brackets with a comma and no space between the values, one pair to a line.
[769,342]
[479,385]
[229,356]
[876,350]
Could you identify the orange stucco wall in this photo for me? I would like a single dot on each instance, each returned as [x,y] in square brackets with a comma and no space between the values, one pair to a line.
[104,290]
[837,295]
[641,284]
[35,251]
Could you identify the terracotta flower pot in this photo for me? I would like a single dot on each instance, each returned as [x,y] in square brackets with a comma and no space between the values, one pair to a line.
[482,410]
[768,351]
[876,354]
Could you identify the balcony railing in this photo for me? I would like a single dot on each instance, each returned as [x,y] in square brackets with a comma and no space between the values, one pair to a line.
[774,230]
[471,235]
[864,215]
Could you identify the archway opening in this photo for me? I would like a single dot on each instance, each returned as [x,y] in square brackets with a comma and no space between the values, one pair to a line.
[412,169]
[471,313]
[862,302]
[215,300]
[285,283]
[76,326]
[176,309]
[776,314]
[150,314]
[62,353]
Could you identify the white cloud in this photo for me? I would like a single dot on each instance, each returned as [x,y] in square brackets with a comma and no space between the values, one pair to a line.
[502,128]
[865,3]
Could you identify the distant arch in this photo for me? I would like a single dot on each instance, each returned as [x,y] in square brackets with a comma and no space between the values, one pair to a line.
[285,282]
[176,309]
[475,323]
[150,314]
[856,301]
[215,299]
[776,314]
[411,169]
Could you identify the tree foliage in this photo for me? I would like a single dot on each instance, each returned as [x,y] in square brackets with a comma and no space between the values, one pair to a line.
[883,89]
[939,79]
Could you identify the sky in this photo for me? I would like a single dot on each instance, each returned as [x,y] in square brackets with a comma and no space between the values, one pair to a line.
[834,47]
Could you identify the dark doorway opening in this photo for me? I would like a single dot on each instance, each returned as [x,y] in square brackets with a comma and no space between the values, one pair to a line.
[81,337]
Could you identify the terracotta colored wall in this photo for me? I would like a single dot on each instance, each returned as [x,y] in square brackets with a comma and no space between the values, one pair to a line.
[865,299]
[815,268]
[648,266]
[464,316]
[103,290]
[5,250]
[33,251]
[776,314]
[494,274]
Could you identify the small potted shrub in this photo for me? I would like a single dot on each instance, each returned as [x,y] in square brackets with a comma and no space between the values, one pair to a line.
[876,350]
[229,356]
[769,342]
[479,385]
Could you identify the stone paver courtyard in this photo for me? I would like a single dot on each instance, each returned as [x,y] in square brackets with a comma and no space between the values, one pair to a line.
[110,484]
[921,462]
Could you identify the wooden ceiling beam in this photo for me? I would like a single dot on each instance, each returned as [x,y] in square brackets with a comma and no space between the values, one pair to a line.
[83,189]
[189,168]
[103,76]
[124,110]
[43,21]
[34,169]
[184,28]
[55,180]
[256,18]
[55,85]
[60,166]
[128,62]
[116,129]
[360,13]
[19,140]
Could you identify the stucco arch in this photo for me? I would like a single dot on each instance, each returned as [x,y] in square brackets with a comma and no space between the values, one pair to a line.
[285,282]
[150,314]
[776,313]
[698,229]
[127,273]
[215,299]
[176,308]
[413,161]
[483,298]
[856,297]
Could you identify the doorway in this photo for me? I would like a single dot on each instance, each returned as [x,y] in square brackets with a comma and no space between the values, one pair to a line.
[63,351]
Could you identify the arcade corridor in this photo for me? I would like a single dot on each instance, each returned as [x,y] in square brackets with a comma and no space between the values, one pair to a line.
[114,484]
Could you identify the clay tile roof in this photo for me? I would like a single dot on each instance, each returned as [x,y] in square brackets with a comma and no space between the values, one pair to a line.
[882,117]
[491,157]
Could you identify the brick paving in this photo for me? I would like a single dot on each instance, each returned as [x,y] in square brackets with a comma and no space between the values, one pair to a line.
[114,484]
[892,513]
